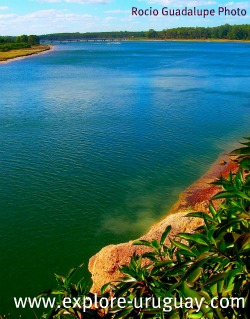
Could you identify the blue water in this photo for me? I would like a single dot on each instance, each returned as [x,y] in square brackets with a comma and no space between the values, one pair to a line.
[97,141]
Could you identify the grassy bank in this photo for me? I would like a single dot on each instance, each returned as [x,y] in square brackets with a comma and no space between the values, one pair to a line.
[13,54]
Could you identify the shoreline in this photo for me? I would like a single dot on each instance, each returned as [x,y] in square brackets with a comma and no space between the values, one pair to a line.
[198,194]
[104,265]
[21,57]
[154,40]
[209,40]
[187,40]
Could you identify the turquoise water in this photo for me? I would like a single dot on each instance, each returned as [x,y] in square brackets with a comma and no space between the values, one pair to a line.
[98,140]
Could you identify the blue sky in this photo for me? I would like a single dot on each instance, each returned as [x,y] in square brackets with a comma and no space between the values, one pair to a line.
[50,16]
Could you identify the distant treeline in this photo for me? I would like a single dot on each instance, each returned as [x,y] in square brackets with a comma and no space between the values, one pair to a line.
[92,35]
[20,42]
[230,32]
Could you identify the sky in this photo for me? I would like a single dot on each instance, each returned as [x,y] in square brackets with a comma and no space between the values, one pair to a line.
[54,16]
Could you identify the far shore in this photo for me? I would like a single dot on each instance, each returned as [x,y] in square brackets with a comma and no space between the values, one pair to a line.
[152,40]
[188,40]
[209,40]
[19,54]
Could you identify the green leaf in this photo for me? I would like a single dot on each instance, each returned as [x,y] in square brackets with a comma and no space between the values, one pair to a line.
[212,209]
[188,253]
[243,242]
[150,256]
[165,234]
[205,255]
[199,215]
[71,272]
[180,245]
[221,231]
[215,279]
[245,163]
[220,285]
[195,315]
[224,194]
[60,279]
[104,288]
[50,314]
[230,276]
[142,243]
[243,195]
[242,151]
[124,287]
[194,267]
[175,316]
[155,244]
[195,275]
[124,313]
[198,238]
[222,245]
[188,292]
[164,263]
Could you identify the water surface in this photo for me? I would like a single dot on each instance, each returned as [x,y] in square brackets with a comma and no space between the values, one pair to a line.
[97,141]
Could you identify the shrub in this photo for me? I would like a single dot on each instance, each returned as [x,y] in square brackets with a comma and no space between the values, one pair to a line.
[13,46]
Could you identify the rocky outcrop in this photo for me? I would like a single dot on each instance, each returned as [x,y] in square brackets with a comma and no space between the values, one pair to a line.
[104,266]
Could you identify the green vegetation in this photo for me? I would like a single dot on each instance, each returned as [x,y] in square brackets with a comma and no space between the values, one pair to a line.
[20,42]
[17,53]
[30,39]
[226,32]
[23,45]
[92,35]
[213,262]
[13,46]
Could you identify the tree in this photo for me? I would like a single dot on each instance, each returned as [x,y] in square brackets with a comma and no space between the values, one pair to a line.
[22,39]
[33,39]
[151,34]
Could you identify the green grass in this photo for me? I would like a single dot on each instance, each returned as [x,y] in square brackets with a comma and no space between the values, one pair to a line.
[13,54]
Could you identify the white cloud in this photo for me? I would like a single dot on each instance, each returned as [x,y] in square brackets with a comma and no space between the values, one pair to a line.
[117,11]
[4,8]
[7,16]
[54,15]
[180,3]
[76,1]
[110,19]
[46,21]
[88,1]
[49,1]
[198,3]
[52,21]
[241,5]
